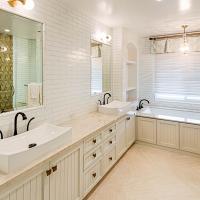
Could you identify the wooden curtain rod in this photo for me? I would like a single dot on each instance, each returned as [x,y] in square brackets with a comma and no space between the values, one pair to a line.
[176,35]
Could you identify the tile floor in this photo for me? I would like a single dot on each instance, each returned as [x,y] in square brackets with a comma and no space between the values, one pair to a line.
[148,173]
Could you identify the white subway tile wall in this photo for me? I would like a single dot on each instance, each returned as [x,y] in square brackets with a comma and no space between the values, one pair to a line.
[66,63]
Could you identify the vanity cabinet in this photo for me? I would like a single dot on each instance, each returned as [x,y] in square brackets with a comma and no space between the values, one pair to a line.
[65,180]
[168,133]
[72,173]
[146,130]
[190,138]
[130,130]
[121,137]
[29,189]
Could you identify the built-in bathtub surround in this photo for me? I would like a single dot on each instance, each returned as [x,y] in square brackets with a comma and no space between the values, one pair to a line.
[169,128]
[67,70]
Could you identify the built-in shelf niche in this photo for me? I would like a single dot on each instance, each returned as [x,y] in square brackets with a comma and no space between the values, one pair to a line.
[131,68]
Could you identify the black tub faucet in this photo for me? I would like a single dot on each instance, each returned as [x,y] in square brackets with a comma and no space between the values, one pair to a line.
[141,104]
[24,117]
[104,98]
[1,135]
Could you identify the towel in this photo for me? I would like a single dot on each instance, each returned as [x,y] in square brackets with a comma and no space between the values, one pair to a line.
[34,94]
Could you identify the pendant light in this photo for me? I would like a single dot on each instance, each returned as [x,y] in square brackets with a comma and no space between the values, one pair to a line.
[185,46]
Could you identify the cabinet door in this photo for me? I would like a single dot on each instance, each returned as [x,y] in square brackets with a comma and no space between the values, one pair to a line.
[146,130]
[31,189]
[168,133]
[121,137]
[130,130]
[66,178]
[190,138]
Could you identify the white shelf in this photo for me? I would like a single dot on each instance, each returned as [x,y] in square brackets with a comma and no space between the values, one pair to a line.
[130,62]
[131,89]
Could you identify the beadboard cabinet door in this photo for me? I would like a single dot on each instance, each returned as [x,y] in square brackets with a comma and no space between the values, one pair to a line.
[190,138]
[31,189]
[66,179]
[168,134]
[121,137]
[146,130]
[130,130]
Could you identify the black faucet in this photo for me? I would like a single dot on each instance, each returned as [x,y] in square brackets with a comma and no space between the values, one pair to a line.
[28,125]
[104,98]
[1,134]
[141,104]
[16,116]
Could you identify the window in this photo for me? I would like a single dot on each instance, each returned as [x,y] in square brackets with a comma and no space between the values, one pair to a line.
[177,78]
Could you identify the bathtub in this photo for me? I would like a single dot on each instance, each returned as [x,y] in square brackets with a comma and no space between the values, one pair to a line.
[170,114]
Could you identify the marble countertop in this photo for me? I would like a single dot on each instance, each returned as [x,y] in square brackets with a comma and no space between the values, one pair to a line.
[81,128]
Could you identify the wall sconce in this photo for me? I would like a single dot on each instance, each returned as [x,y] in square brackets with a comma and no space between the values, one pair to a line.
[102,37]
[13,3]
[28,4]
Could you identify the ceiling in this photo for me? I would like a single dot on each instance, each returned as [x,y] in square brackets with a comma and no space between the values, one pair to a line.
[146,17]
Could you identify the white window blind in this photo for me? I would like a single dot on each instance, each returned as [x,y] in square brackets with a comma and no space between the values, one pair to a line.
[177,79]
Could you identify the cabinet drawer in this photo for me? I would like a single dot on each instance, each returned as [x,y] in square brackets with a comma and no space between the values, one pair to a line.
[109,160]
[109,143]
[92,142]
[91,157]
[108,132]
[92,176]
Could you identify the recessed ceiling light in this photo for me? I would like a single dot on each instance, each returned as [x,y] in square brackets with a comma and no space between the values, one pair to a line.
[7,30]
[159,0]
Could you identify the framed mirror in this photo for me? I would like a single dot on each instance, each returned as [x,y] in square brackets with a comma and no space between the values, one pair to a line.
[100,67]
[21,62]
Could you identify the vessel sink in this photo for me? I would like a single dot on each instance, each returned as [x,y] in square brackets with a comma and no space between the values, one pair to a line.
[19,151]
[115,107]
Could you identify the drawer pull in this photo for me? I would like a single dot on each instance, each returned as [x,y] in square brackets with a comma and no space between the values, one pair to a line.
[128,118]
[94,141]
[94,155]
[94,175]
[110,130]
[48,172]
[110,158]
[111,142]
[54,168]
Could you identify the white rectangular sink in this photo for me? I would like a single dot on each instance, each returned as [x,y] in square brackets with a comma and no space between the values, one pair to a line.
[16,153]
[115,107]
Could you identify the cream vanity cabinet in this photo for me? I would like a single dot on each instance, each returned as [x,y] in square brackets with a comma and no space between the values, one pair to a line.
[99,156]
[190,138]
[168,133]
[73,173]
[130,130]
[121,137]
[31,188]
[61,179]
[146,130]
[65,180]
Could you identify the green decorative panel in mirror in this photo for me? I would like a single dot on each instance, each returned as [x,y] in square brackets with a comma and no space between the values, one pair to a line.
[21,62]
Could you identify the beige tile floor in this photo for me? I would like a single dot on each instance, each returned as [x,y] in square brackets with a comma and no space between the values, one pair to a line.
[148,173]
